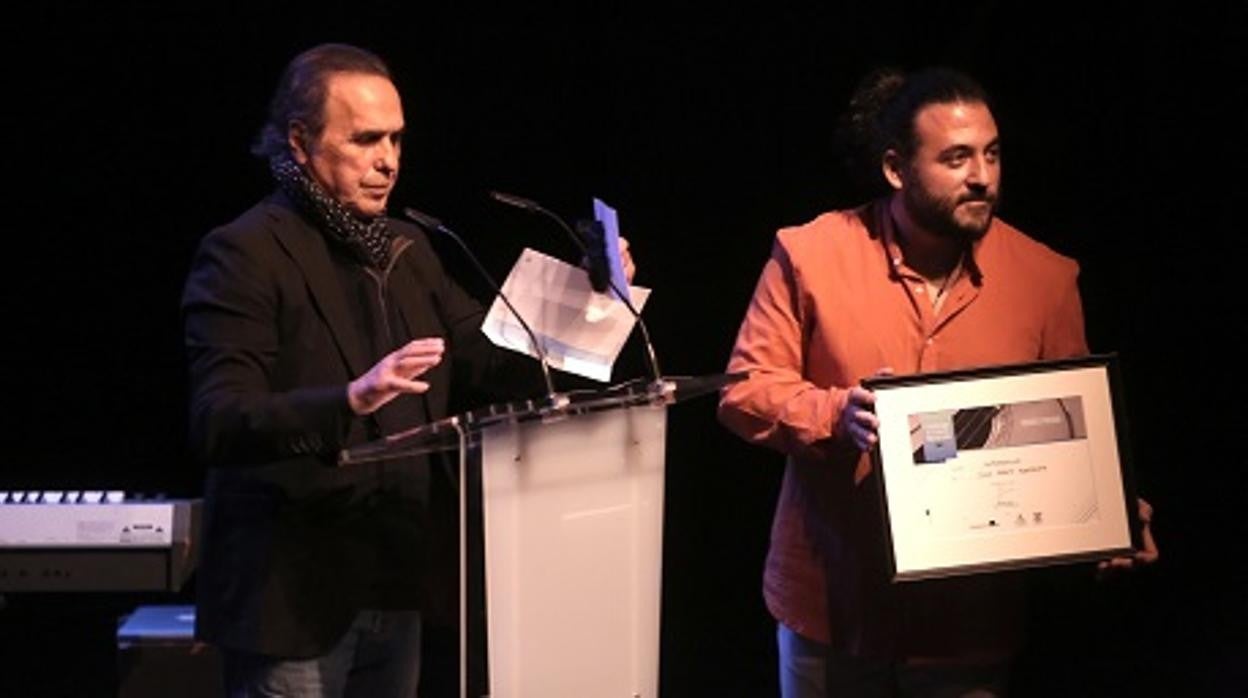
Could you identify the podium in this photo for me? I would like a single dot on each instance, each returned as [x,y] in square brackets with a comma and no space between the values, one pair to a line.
[571,517]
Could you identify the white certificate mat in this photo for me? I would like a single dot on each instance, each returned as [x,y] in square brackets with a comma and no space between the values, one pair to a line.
[581,331]
[1000,468]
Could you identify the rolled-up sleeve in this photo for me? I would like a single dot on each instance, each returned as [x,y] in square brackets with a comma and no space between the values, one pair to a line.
[777,406]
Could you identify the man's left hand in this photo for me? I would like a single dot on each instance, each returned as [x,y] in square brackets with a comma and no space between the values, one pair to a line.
[627,259]
[1145,556]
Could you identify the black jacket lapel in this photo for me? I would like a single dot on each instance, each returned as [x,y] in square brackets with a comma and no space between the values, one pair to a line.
[307,247]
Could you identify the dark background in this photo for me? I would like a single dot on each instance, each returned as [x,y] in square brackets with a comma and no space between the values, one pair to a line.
[126,135]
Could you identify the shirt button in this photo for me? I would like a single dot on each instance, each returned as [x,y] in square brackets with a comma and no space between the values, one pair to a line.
[929,341]
[918,289]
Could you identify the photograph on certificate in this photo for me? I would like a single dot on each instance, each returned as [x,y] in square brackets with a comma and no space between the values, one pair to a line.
[1000,468]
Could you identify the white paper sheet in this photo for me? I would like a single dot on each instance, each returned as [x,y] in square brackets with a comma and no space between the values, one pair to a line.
[581,331]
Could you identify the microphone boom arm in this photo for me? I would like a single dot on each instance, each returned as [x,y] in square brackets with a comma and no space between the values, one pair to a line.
[436,225]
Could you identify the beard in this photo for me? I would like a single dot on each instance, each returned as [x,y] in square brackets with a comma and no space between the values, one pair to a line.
[943,218]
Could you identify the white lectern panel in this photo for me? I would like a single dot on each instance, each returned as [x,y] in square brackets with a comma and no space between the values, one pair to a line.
[573,518]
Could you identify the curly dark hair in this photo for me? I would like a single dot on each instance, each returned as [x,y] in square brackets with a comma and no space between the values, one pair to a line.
[301,91]
[882,110]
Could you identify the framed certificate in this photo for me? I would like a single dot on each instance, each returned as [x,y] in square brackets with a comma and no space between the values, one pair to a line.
[1003,467]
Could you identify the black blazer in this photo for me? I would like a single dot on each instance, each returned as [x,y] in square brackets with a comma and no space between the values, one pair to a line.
[293,546]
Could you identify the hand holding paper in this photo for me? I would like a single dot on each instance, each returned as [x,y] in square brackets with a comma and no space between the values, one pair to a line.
[581,331]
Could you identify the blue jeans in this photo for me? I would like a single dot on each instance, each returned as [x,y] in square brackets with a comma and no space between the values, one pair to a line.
[803,666]
[805,672]
[378,656]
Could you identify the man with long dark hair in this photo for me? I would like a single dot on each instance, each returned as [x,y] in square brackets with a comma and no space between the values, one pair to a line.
[314,323]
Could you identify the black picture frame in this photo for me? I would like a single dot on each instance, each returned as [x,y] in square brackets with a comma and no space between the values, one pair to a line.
[1004,467]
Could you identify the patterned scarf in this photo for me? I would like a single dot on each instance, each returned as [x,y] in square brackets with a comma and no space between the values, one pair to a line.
[367,240]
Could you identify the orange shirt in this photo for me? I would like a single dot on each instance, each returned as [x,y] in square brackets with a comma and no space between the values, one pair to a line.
[835,304]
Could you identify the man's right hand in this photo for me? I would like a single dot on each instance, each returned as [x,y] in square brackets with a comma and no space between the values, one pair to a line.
[858,422]
[394,375]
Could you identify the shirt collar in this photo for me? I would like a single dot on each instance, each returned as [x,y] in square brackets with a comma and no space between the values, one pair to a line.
[882,221]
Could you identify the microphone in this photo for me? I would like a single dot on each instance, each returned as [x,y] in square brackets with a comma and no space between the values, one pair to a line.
[517,201]
[431,223]
[598,257]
